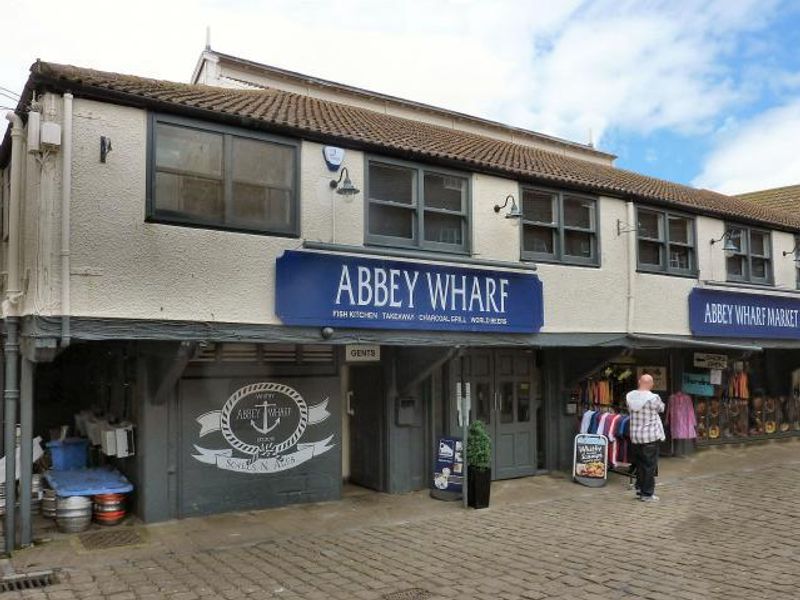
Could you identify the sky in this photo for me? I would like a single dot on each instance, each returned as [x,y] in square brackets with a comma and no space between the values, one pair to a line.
[702,92]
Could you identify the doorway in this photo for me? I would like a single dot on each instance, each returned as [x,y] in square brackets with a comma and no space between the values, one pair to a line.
[505,390]
[366,410]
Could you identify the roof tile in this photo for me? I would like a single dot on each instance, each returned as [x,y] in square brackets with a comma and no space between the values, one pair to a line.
[304,114]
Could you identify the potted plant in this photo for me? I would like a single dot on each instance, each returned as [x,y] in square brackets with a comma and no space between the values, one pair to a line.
[479,465]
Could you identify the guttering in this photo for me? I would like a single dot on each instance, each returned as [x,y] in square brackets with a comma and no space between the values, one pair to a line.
[693,342]
[66,196]
[631,256]
[13,286]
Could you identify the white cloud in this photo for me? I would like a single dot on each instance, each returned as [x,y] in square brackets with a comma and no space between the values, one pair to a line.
[559,67]
[759,154]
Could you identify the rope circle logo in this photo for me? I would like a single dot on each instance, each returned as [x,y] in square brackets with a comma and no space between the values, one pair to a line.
[264,422]
[259,410]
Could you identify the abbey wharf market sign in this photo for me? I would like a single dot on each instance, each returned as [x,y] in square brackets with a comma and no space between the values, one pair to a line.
[732,314]
[319,289]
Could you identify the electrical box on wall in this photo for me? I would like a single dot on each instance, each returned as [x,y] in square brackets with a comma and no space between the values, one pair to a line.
[407,411]
[34,131]
[51,134]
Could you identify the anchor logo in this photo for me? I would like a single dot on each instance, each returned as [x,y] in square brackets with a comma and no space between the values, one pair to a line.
[266,427]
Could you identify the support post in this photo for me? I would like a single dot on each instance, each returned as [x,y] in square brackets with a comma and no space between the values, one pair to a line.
[10,397]
[26,449]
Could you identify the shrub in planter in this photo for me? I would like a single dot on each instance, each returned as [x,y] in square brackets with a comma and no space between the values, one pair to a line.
[479,465]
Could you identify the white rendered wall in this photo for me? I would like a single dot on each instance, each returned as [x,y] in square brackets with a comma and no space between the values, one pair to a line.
[123,267]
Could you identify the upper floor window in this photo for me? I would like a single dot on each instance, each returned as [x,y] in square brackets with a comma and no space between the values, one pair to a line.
[797,260]
[666,242]
[219,177]
[559,227]
[417,207]
[752,260]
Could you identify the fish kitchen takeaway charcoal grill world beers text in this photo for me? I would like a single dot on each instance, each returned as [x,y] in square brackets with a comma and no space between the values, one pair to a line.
[334,290]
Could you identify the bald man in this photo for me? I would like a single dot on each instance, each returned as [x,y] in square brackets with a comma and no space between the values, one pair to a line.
[646,431]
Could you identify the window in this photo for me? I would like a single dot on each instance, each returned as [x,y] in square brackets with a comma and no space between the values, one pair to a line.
[752,258]
[666,242]
[417,207]
[559,227]
[221,177]
[797,260]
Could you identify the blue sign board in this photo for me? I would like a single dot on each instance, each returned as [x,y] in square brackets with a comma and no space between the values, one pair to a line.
[697,384]
[449,472]
[320,289]
[732,314]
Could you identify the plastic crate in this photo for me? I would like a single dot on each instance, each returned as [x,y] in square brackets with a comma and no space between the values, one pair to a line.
[69,454]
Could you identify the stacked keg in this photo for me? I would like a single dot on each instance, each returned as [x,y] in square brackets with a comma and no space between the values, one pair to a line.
[49,503]
[73,513]
[109,509]
[36,492]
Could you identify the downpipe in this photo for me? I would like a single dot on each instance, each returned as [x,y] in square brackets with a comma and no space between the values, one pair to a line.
[66,197]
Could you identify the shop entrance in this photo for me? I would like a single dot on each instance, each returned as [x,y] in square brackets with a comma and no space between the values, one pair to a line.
[365,409]
[505,395]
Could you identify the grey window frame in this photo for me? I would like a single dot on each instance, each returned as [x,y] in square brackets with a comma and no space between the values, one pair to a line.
[748,254]
[558,256]
[796,258]
[665,243]
[418,241]
[152,215]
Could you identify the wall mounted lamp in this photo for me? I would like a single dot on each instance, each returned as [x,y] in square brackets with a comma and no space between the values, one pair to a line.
[346,187]
[795,251]
[513,212]
[729,248]
[623,227]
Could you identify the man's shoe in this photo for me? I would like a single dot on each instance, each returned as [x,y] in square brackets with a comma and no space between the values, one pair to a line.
[650,498]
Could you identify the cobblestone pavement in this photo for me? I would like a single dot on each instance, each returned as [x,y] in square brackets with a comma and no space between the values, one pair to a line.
[728,535]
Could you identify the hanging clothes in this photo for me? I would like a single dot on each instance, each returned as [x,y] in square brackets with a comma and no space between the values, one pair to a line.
[585,420]
[681,417]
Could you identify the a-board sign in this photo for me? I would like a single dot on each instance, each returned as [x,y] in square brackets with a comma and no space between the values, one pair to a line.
[449,472]
[362,353]
[703,360]
[590,459]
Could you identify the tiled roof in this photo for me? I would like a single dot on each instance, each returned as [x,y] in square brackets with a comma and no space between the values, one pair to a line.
[355,127]
[785,198]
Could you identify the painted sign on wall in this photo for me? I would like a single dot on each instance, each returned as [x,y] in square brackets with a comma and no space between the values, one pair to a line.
[733,314]
[317,289]
[263,425]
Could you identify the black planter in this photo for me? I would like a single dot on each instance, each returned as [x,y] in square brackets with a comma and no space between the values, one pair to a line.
[479,486]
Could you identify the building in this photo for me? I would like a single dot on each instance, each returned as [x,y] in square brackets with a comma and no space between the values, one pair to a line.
[285,283]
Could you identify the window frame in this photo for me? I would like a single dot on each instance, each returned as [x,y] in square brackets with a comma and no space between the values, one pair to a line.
[796,258]
[153,215]
[558,257]
[748,255]
[665,243]
[418,208]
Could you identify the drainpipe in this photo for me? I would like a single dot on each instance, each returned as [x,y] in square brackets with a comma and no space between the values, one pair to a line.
[11,315]
[66,195]
[631,256]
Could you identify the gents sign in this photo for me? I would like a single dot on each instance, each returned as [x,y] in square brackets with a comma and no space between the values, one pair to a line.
[346,291]
[731,314]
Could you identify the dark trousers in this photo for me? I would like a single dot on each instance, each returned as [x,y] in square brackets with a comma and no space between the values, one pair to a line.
[645,457]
